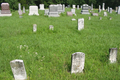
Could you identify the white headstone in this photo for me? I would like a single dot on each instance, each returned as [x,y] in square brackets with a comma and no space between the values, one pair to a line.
[18,69]
[91,6]
[19,7]
[105,13]
[113,55]
[118,11]
[41,6]
[34,27]
[99,8]
[78,60]
[77,6]
[73,6]
[51,27]
[73,11]
[116,8]
[23,9]
[103,6]
[80,23]
[46,11]
[33,10]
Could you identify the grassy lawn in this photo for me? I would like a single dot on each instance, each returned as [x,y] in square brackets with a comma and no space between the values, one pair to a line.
[48,55]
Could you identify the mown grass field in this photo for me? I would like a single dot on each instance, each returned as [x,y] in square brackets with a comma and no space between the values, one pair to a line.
[48,55]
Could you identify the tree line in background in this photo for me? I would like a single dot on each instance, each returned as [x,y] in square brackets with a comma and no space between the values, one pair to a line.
[27,3]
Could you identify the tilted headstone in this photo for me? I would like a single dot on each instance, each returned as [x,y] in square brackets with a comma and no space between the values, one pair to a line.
[18,69]
[113,55]
[73,6]
[118,11]
[46,11]
[5,10]
[110,11]
[73,11]
[99,8]
[85,9]
[51,27]
[41,6]
[33,10]
[105,13]
[77,6]
[23,9]
[69,13]
[77,62]
[91,6]
[80,23]
[95,14]
[34,27]
[103,6]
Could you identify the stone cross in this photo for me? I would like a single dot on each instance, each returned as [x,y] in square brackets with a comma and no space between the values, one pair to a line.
[108,9]
[91,6]
[103,6]
[23,9]
[113,55]
[51,27]
[34,27]
[78,60]
[18,69]
[80,23]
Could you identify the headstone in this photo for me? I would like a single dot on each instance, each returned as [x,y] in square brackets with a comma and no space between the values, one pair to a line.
[63,7]
[68,6]
[103,6]
[19,7]
[33,10]
[85,9]
[81,6]
[51,27]
[77,62]
[5,10]
[89,18]
[53,11]
[18,69]
[46,11]
[69,13]
[105,13]
[80,23]
[116,8]
[73,11]
[23,9]
[110,11]
[118,11]
[113,55]
[95,14]
[91,6]
[100,18]
[73,6]
[34,27]
[110,18]
[41,6]
[99,9]
[60,8]
[77,6]
[20,14]
[73,19]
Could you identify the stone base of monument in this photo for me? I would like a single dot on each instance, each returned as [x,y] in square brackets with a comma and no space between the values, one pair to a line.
[5,14]
[41,9]
[53,14]
[85,12]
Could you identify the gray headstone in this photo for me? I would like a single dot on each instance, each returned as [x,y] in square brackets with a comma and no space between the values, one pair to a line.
[73,11]
[23,9]
[118,11]
[78,61]
[77,6]
[99,8]
[91,6]
[103,6]
[85,10]
[63,7]
[68,6]
[105,13]
[110,18]
[110,11]
[18,69]
[116,8]
[51,27]
[34,27]
[19,7]
[73,19]
[80,23]
[113,55]
[46,11]
[60,8]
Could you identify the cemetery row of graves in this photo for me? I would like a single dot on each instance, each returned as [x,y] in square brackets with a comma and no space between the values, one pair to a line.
[74,41]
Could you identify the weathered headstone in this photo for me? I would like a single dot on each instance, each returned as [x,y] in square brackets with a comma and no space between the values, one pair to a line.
[34,27]
[69,13]
[23,9]
[80,23]
[33,10]
[19,7]
[85,9]
[110,11]
[118,11]
[105,13]
[41,6]
[77,6]
[46,11]
[51,27]
[73,6]
[103,6]
[18,69]
[113,55]
[91,6]
[99,8]
[5,10]
[53,11]
[77,62]
[95,14]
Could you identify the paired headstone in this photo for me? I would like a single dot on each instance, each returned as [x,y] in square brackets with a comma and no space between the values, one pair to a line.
[41,6]
[51,27]
[100,18]
[5,10]
[85,9]
[46,11]
[77,6]
[118,10]
[105,13]
[18,69]
[34,27]
[113,55]
[80,23]
[95,14]
[53,11]
[103,6]
[73,6]
[78,61]
[110,11]
[69,13]
[99,8]
[23,9]
[91,6]
[33,10]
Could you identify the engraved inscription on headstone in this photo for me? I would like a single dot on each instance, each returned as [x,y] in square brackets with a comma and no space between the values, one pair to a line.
[80,23]
[34,27]
[78,60]
[18,69]
[113,55]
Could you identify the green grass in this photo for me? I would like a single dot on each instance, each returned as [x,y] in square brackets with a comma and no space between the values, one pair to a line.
[48,56]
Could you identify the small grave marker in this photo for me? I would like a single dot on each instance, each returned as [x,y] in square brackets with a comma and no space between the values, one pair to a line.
[113,55]
[100,18]
[34,27]
[105,13]
[89,18]
[51,27]
[95,14]
[80,23]
[69,13]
